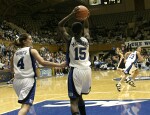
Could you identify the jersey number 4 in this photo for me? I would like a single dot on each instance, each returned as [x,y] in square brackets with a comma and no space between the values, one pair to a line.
[80,53]
[21,63]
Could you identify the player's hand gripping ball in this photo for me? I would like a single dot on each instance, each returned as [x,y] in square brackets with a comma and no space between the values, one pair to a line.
[82,13]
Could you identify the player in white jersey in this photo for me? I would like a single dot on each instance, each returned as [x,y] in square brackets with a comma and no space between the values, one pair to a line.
[130,67]
[79,78]
[23,67]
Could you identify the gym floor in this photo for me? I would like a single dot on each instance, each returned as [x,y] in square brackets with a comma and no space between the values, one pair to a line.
[51,96]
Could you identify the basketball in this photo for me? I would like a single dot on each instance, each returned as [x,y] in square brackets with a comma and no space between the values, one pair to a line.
[82,13]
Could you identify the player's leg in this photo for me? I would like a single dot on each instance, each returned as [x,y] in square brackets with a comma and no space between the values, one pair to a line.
[27,102]
[86,87]
[130,81]
[135,73]
[81,106]
[74,106]
[24,109]
[123,76]
[120,71]
[118,85]
[72,92]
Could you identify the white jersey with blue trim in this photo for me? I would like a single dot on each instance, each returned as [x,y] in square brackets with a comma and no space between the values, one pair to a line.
[22,61]
[132,58]
[79,54]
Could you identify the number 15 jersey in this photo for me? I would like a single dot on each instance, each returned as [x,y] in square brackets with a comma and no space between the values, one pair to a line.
[78,54]
[24,63]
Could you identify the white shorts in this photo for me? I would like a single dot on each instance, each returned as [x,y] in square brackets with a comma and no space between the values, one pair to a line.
[79,82]
[25,90]
[129,68]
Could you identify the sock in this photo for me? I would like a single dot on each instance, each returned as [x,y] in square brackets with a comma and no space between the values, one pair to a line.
[81,106]
[119,84]
[127,79]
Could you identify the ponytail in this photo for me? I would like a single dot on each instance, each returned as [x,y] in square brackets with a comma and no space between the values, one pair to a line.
[19,40]
[16,42]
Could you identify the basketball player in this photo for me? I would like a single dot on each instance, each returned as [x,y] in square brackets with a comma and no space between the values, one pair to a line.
[79,78]
[121,64]
[130,67]
[122,58]
[23,66]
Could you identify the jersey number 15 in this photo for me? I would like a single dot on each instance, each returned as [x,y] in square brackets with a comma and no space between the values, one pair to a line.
[80,53]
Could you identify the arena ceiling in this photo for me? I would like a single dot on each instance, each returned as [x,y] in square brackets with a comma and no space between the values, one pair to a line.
[16,7]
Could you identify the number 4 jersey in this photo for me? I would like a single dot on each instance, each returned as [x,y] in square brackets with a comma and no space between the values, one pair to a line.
[78,54]
[24,63]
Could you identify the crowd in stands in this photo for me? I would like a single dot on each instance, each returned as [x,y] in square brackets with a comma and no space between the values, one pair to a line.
[123,31]
[45,31]
[57,57]
[6,32]
[9,33]
[119,27]
[6,54]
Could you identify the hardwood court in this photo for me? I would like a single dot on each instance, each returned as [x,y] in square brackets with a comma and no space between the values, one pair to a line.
[55,88]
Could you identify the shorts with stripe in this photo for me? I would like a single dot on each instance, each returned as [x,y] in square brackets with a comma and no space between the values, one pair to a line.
[30,97]
[79,82]
[25,90]
[129,68]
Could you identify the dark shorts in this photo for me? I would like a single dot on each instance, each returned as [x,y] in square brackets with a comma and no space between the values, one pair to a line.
[122,64]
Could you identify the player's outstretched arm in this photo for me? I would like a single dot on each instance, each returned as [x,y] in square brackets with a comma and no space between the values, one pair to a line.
[41,61]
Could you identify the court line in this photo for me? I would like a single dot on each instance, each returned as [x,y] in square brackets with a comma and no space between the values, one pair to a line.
[124,91]
[51,95]
[35,96]
[7,85]
[36,103]
[98,92]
